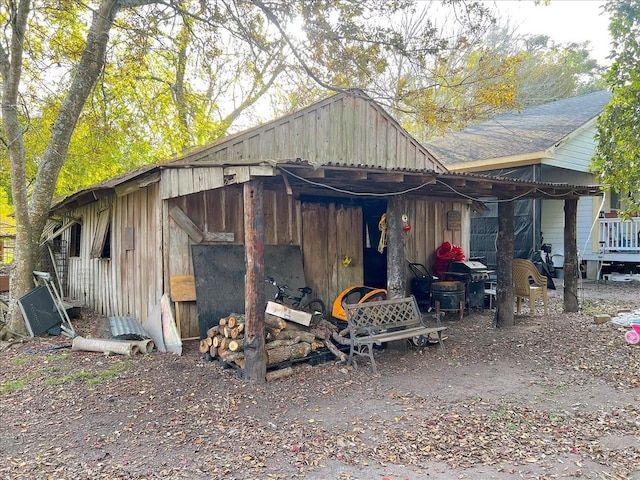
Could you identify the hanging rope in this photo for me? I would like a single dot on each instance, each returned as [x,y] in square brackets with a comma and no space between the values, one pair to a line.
[382,226]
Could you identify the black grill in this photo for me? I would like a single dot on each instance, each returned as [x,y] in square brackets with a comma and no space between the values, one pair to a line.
[474,274]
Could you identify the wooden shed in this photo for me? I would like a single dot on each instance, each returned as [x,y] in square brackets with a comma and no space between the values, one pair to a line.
[328,173]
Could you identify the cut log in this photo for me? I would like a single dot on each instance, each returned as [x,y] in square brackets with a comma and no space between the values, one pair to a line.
[274,375]
[236,345]
[222,322]
[213,351]
[215,341]
[333,349]
[226,331]
[204,345]
[281,343]
[316,344]
[274,322]
[296,334]
[232,321]
[287,352]
[271,333]
[321,331]
[240,327]
[324,323]
[224,343]
[213,331]
[229,356]
[340,339]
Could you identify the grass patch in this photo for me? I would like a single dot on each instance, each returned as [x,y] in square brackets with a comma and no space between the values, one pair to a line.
[12,386]
[92,378]
[554,389]
[590,307]
[20,361]
[56,357]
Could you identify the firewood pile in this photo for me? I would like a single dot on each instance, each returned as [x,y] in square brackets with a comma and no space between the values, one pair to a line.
[284,340]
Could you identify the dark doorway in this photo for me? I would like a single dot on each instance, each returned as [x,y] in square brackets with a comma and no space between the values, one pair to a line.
[374,262]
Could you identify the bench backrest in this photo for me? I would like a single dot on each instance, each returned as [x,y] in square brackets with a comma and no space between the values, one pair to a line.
[376,316]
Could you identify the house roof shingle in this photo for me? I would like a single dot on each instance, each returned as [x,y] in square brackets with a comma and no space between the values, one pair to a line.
[534,129]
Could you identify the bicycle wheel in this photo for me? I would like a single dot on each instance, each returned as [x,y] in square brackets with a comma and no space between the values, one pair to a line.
[315,305]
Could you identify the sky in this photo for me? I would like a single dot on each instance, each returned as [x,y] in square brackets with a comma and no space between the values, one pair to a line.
[562,20]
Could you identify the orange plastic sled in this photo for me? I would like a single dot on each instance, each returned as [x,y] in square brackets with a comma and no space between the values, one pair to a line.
[355,294]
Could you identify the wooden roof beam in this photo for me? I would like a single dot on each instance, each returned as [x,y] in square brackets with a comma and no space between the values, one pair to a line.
[347,174]
[387,177]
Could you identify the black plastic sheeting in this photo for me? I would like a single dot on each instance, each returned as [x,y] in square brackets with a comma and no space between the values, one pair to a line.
[527,223]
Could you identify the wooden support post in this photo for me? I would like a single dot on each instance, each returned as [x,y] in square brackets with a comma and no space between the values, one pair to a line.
[570,266]
[504,285]
[254,302]
[396,281]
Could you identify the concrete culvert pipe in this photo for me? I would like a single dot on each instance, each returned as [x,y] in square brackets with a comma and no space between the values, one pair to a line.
[105,346]
[145,346]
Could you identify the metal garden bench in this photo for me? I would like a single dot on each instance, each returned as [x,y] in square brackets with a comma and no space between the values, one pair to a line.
[377,322]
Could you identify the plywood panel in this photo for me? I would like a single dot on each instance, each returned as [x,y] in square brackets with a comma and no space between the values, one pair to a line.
[219,278]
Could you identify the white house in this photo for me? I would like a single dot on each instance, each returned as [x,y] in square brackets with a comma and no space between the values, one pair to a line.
[553,143]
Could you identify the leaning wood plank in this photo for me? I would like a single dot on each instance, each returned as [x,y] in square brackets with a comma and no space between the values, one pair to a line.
[104,346]
[282,311]
[186,224]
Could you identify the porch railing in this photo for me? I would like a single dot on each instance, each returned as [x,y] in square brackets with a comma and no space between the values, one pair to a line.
[617,235]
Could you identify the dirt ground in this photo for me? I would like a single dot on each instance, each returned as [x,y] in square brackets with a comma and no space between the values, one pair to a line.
[555,396]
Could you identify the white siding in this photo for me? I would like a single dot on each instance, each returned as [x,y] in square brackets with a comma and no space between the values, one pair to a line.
[552,225]
[576,153]
[585,228]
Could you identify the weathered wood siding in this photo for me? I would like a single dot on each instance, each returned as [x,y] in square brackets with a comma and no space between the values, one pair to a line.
[330,233]
[429,229]
[221,210]
[327,232]
[341,130]
[130,281]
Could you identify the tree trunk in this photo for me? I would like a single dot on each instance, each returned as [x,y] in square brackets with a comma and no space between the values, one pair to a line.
[254,349]
[504,286]
[396,279]
[31,216]
[570,266]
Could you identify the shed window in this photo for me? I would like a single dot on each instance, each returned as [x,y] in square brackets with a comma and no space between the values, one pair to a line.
[101,247]
[74,240]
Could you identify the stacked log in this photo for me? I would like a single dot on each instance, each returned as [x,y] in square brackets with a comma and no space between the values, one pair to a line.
[284,340]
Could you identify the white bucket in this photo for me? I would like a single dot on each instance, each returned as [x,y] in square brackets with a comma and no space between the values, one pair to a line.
[558,260]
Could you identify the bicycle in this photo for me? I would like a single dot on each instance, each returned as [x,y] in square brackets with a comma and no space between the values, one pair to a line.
[283,297]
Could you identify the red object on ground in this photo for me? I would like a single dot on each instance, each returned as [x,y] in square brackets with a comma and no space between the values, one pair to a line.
[444,254]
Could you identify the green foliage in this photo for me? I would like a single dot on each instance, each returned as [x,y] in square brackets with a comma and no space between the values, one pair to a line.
[181,76]
[12,385]
[617,158]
